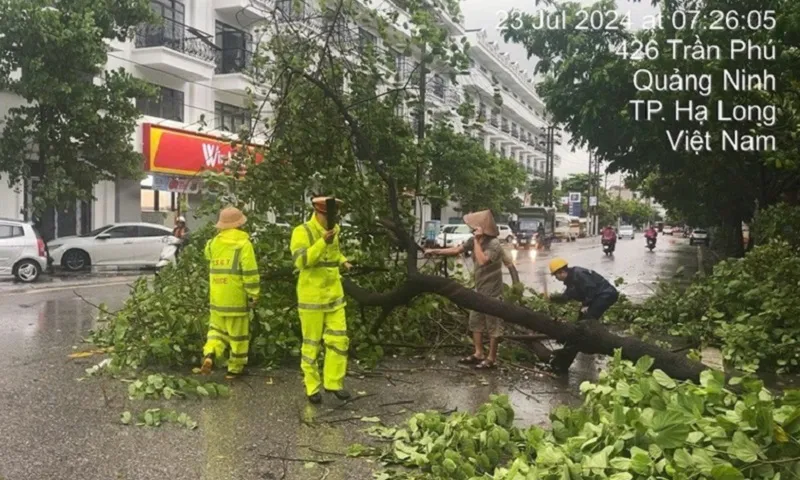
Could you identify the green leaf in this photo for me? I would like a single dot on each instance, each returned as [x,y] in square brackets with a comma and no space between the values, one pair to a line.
[663,379]
[726,472]
[202,391]
[644,364]
[126,418]
[621,476]
[682,458]
[743,448]
[620,463]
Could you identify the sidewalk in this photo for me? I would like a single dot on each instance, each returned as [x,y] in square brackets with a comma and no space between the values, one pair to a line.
[62,281]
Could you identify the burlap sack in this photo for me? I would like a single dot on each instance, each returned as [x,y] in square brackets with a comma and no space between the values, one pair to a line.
[484,220]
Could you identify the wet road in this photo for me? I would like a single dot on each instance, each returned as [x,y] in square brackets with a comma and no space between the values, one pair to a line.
[56,427]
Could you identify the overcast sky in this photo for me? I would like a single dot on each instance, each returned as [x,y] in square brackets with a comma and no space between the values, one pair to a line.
[488,13]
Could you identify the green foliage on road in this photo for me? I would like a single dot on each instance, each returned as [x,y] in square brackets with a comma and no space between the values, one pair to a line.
[73,126]
[156,386]
[634,423]
[155,417]
[778,222]
[749,307]
[165,321]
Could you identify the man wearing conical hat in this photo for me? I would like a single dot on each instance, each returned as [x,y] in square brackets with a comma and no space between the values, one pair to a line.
[234,286]
[320,301]
[489,260]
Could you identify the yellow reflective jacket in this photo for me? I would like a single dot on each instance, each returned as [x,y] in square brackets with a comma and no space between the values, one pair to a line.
[319,287]
[233,272]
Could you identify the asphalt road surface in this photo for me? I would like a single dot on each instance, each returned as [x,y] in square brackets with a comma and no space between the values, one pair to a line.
[54,426]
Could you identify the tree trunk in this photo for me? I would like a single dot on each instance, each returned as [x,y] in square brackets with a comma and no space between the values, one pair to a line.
[588,337]
[729,238]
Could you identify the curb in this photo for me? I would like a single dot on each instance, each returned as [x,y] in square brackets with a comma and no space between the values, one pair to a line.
[50,287]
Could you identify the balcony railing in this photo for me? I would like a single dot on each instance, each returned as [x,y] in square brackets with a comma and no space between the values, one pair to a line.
[506,128]
[483,39]
[494,122]
[514,133]
[233,60]
[179,37]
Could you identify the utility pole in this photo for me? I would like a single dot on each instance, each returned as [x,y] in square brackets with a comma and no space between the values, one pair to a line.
[596,184]
[423,86]
[589,188]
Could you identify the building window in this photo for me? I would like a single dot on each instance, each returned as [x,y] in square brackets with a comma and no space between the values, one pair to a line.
[230,117]
[167,104]
[234,48]
[158,201]
[365,39]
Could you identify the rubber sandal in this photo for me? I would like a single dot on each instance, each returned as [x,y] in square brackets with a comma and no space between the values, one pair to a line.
[208,364]
[485,365]
[471,360]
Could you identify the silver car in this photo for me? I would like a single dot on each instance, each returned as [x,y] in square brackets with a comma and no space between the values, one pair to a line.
[23,253]
[625,231]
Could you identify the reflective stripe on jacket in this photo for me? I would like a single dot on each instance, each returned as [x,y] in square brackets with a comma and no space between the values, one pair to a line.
[320,284]
[233,272]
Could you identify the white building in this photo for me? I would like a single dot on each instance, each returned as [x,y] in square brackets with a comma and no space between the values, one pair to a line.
[196,57]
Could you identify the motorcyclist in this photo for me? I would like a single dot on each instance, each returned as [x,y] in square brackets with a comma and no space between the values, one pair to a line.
[609,236]
[181,232]
[651,234]
[540,235]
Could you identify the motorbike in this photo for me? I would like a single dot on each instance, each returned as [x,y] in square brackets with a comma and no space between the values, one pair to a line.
[608,247]
[542,243]
[167,256]
[651,243]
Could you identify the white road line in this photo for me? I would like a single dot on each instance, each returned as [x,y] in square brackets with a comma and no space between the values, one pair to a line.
[33,291]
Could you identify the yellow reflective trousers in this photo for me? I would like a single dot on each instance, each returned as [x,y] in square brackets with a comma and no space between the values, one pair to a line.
[321,305]
[229,332]
[332,328]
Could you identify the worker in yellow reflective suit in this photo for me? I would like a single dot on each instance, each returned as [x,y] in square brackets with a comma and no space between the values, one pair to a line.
[320,298]
[234,287]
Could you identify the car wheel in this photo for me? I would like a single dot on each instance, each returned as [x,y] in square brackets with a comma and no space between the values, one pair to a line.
[75,260]
[27,271]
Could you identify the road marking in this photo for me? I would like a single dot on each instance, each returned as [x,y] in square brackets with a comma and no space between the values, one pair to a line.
[31,291]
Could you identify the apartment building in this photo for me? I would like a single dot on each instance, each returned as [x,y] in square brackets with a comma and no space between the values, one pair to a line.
[197,58]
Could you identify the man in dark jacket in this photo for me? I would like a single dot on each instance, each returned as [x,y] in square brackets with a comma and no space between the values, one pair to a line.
[594,292]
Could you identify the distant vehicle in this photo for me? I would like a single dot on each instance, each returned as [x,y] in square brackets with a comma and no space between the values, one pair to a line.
[506,234]
[575,228]
[699,235]
[563,228]
[527,225]
[667,230]
[625,231]
[119,244]
[677,230]
[453,235]
[23,252]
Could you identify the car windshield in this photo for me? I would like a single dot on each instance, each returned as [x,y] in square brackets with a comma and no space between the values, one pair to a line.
[449,229]
[462,229]
[702,232]
[624,227]
[96,232]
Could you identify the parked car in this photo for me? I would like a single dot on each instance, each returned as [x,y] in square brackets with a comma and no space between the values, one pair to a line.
[699,235]
[23,252]
[625,231]
[667,230]
[505,233]
[119,244]
[453,235]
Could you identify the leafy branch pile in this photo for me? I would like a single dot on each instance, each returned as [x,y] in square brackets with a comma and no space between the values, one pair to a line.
[155,417]
[748,307]
[167,386]
[633,424]
[164,322]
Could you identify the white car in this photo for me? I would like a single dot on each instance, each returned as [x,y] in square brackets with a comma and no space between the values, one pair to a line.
[505,233]
[453,235]
[23,253]
[625,231]
[120,244]
[666,231]
[699,235]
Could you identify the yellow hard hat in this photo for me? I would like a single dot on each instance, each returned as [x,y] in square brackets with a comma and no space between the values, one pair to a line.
[557,264]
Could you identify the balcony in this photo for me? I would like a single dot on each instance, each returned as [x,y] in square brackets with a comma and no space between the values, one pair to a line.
[514,132]
[249,9]
[177,49]
[231,74]
[494,122]
[511,71]
[505,128]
